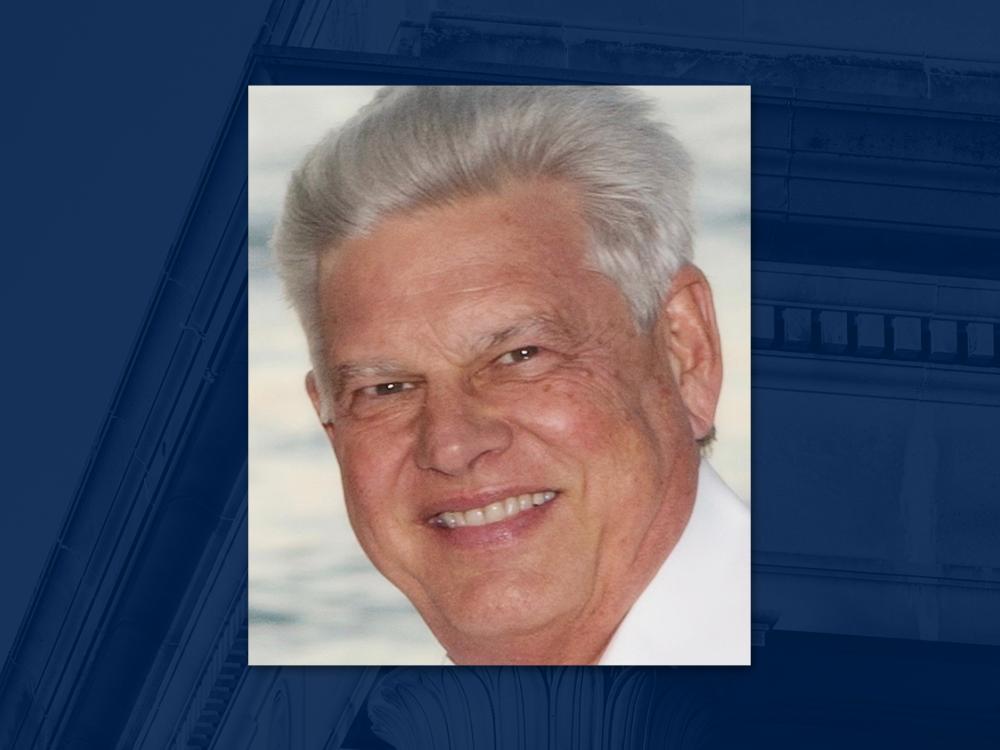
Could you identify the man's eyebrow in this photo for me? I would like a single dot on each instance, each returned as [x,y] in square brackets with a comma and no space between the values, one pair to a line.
[347,371]
[536,325]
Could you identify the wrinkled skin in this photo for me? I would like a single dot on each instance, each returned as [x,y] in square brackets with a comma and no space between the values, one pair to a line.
[512,364]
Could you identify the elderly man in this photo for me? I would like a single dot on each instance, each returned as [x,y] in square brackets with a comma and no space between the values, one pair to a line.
[517,367]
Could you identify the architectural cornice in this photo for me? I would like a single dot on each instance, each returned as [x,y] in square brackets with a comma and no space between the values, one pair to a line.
[876,334]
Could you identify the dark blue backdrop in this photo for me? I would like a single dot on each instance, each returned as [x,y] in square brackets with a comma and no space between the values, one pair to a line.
[876,326]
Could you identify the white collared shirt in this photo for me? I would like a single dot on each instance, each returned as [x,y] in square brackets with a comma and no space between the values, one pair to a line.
[696,610]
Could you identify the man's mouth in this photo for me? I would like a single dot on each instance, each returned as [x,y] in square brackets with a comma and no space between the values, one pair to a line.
[494,512]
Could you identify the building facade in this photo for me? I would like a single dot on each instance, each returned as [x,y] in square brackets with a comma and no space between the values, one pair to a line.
[875,329]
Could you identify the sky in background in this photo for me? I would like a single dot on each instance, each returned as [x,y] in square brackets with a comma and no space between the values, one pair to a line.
[314,597]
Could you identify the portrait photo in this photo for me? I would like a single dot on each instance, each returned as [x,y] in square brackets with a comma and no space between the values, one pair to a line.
[499,375]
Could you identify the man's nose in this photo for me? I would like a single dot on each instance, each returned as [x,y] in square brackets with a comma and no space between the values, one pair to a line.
[456,431]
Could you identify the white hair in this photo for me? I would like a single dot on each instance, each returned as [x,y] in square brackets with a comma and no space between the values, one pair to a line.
[413,147]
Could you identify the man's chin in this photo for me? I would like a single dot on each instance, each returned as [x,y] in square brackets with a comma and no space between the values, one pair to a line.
[495,619]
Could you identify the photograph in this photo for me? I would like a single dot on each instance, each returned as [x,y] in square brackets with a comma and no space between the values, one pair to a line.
[499,375]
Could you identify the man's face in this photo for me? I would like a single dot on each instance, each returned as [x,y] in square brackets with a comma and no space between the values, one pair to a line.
[514,451]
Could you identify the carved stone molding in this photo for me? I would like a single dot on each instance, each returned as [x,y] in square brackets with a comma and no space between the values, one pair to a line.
[581,707]
[217,685]
[857,333]
[875,333]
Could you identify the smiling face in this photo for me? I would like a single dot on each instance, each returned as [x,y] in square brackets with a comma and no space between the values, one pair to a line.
[517,457]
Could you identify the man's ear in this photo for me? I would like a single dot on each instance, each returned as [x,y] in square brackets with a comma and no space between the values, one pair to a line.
[687,328]
[313,390]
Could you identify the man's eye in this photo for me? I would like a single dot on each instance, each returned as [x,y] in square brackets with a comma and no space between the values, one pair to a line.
[386,389]
[521,354]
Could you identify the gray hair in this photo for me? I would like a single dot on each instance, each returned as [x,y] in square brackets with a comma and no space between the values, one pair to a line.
[413,147]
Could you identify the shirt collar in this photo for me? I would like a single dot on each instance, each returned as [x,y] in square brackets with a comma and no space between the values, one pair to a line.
[696,610]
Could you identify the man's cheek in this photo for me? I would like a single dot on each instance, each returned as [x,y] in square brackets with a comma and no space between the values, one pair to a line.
[369,498]
[566,418]
[367,458]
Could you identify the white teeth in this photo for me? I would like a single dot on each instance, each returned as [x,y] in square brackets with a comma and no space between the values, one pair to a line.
[451,520]
[494,512]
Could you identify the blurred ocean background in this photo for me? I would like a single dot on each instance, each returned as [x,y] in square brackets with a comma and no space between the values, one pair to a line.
[314,597]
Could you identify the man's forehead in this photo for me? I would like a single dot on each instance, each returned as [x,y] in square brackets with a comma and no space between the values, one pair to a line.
[447,269]
[463,278]
[472,295]
[531,217]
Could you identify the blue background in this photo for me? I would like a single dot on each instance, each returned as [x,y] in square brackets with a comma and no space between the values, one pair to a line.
[875,327]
